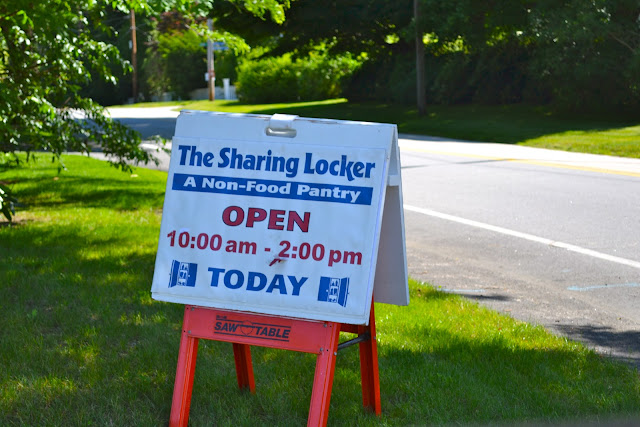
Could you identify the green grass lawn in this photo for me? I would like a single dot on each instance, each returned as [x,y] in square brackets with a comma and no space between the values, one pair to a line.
[510,124]
[83,343]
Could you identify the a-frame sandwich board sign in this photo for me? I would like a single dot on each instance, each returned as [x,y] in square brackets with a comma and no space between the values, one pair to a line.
[282,216]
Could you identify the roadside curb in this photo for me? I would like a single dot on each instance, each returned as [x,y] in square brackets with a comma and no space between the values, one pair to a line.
[521,154]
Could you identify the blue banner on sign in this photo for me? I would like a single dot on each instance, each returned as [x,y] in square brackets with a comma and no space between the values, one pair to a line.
[333,193]
[333,289]
[183,274]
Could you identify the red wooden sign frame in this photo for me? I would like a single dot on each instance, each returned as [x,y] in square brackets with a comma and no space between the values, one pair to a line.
[246,329]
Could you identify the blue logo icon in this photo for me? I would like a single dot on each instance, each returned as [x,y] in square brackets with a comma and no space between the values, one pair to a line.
[335,290]
[183,274]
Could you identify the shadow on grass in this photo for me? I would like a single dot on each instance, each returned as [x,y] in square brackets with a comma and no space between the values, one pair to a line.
[504,124]
[82,341]
[120,191]
[92,193]
[625,344]
[492,297]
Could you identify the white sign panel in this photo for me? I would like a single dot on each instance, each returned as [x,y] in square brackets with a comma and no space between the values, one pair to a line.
[270,222]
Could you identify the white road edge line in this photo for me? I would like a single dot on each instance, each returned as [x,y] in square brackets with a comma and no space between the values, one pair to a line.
[525,236]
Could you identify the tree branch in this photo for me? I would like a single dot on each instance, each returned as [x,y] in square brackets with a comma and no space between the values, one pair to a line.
[622,42]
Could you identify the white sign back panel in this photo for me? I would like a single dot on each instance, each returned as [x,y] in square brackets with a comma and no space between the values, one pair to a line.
[272,224]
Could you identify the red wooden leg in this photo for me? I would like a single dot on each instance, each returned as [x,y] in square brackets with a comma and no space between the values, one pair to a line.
[184,380]
[323,380]
[369,367]
[244,367]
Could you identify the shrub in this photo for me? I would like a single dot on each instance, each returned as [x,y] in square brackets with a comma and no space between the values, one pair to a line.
[283,79]
[267,80]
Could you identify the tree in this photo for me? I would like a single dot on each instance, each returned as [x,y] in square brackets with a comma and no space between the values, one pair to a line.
[420,71]
[353,26]
[48,51]
[589,52]
[570,53]
[373,31]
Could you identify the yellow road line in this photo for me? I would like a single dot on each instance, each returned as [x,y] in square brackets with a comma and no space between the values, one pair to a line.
[525,161]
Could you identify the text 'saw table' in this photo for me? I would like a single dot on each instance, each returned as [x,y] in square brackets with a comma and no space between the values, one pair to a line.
[276,231]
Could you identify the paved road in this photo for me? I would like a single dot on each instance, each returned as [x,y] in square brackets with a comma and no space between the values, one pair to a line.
[149,122]
[548,237]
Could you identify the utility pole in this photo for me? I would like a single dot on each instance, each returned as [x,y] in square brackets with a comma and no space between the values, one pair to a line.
[134,56]
[420,69]
[210,67]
